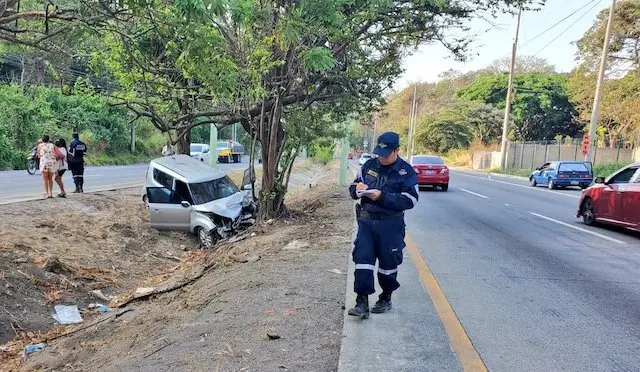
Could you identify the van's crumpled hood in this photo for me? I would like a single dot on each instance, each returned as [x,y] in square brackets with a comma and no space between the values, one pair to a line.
[229,207]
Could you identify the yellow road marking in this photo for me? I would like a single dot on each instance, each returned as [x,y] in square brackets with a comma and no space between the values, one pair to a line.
[467,354]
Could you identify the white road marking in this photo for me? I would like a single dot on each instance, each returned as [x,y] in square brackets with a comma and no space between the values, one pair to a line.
[518,185]
[473,193]
[605,237]
[507,205]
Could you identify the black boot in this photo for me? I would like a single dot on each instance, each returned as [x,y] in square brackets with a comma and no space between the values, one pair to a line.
[383,304]
[361,310]
[77,190]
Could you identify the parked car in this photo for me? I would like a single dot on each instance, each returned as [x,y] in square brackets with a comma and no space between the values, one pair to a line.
[198,150]
[563,174]
[614,200]
[431,171]
[184,194]
[364,158]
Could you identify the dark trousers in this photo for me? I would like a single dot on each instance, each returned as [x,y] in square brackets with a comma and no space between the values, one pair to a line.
[77,170]
[381,240]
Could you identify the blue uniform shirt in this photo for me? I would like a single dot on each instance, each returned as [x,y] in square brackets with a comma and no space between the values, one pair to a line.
[78,148]
[398,183]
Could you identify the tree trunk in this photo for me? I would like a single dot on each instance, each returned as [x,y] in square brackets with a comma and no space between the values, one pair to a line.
[272,139]
[184,142]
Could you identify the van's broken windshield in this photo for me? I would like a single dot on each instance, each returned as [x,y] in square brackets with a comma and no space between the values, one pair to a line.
[205,192]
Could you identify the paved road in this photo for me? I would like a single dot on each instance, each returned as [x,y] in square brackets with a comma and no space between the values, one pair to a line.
[533,288]
[17,185]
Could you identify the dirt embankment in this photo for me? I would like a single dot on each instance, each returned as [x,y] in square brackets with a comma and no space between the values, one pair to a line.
[273,301]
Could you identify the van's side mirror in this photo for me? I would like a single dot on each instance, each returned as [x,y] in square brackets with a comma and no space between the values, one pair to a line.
[247,187]
[185,204]
[599,180]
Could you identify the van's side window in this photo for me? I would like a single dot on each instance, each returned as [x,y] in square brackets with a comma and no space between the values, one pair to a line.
[161,195]
[182,192]
[163,178]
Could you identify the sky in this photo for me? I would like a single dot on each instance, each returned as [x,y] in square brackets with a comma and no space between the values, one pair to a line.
[493,42]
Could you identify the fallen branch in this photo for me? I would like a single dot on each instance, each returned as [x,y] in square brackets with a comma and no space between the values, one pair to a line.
[168,287]
[160,348]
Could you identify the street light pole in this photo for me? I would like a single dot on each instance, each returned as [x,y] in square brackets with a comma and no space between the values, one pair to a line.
[595,113]
[507,109]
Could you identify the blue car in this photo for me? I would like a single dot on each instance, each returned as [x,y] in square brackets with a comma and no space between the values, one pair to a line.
[563,174]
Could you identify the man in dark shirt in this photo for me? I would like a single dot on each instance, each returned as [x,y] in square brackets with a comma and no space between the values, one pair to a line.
[386,186]
[77,150]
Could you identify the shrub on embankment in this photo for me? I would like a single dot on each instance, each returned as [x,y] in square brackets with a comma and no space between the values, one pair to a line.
[26,116]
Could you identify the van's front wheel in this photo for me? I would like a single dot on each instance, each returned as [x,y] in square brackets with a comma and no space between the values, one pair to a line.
[206,238]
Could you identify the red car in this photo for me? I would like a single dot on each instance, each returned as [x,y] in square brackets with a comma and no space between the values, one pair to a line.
[431,171]
[614,200]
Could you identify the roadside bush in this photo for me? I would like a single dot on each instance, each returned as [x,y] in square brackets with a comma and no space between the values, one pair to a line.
[24,118]
[458,157]
[605,170]
[322,153]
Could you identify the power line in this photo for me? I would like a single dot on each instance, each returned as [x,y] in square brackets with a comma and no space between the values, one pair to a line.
[567,29]
[557,23]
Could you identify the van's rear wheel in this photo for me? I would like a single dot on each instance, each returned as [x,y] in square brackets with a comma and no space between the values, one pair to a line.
[206,238]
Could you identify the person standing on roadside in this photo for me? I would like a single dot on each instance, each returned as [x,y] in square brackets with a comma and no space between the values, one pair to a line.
[63,165]
[386,186]
[77,150]
[47,153]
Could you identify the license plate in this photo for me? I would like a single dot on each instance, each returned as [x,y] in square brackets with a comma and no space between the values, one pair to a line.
[429,172]
[575,182]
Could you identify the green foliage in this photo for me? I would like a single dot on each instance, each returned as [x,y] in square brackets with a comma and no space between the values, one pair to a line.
[607,169]
[24,118]
[541,106]
[624,50]
[318,59]
[443,132]
[322,153]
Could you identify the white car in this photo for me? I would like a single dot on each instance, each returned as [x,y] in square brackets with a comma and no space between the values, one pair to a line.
[198,150]
[364,158]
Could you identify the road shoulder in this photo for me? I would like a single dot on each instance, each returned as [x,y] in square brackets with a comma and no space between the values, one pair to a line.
[410,337]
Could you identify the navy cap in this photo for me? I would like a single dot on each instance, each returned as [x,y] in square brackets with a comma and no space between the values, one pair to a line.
[388,142]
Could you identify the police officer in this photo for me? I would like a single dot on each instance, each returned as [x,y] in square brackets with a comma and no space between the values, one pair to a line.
[77,150]
[387,186]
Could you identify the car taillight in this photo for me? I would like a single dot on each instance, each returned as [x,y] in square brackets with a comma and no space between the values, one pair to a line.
[562,176]
[444,170]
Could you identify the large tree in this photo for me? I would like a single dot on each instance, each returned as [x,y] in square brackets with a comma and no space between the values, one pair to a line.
[541,106]
[619,121]
[193,62]
[524,65]
[624,51]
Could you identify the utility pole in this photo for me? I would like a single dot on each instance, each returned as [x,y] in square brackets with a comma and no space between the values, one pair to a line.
[412,113]
[413,129]
[213,145]
[507,109]
[595,113]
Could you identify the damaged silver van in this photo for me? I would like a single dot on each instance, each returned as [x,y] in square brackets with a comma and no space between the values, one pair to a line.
[184,194]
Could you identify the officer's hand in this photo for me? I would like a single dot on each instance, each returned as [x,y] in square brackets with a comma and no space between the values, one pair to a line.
[375,195]
[361,186]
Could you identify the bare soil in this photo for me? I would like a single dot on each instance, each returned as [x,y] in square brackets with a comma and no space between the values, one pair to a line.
[273,301]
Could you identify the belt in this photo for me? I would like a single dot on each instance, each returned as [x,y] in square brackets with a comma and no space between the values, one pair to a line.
[379,216]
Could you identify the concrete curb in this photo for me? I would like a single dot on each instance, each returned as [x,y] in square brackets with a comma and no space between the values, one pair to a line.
[490,173]
[24,198]
[509,176]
